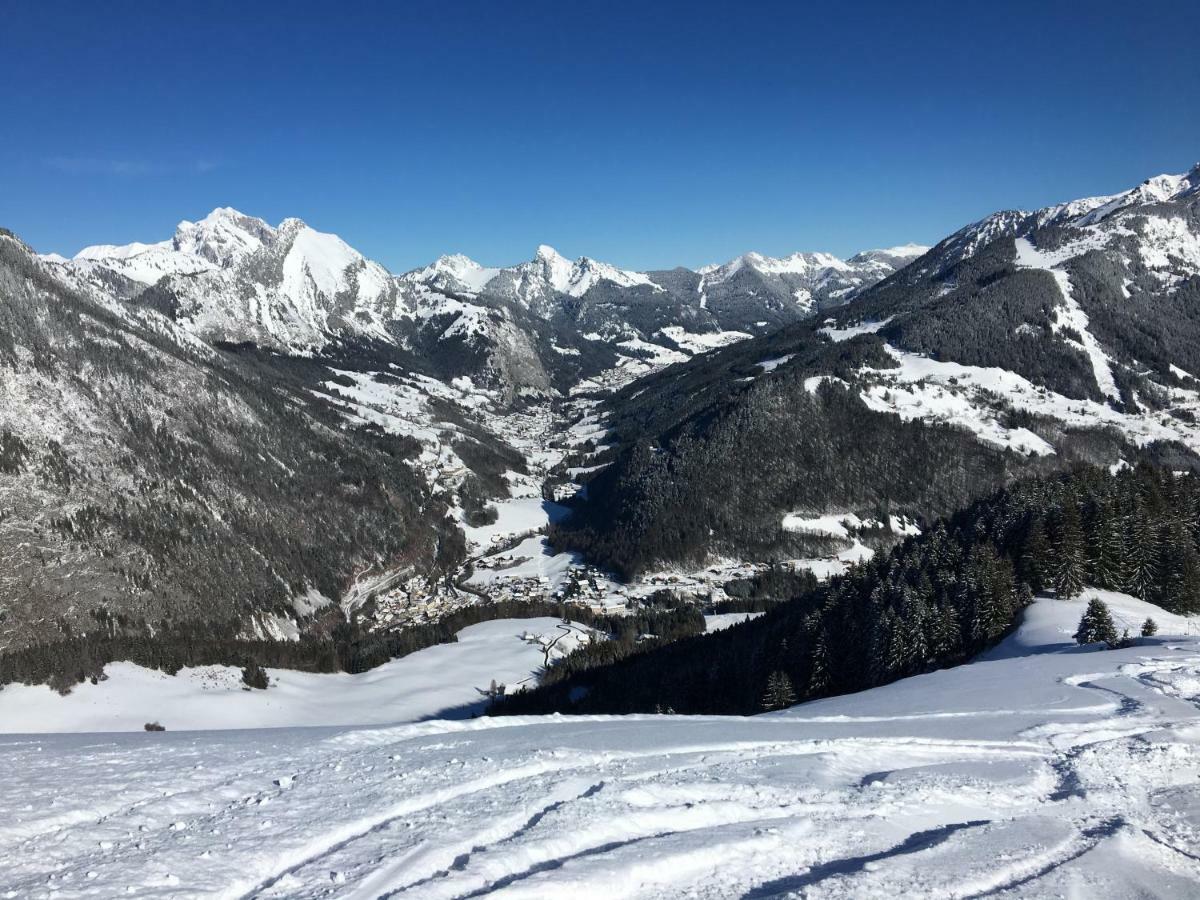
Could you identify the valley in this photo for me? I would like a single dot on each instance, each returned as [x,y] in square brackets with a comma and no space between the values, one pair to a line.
[559,432]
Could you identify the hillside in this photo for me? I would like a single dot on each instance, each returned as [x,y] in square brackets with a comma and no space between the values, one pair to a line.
[934,600]
[151,482]
[1018,345]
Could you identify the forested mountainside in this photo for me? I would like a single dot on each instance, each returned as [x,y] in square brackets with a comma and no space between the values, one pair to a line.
[1018,345]
[934,600]
[148,479]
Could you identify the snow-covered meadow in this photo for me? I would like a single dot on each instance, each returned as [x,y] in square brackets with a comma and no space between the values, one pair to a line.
[1041,769]
[446,680]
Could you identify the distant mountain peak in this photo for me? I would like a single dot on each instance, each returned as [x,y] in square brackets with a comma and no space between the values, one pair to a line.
[222,237]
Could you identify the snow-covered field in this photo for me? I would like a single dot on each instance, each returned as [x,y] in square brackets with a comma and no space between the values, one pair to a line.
[721,621]
[1041,769]
[440,680]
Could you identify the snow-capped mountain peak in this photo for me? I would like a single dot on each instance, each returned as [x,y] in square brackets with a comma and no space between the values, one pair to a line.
[818,275]
[554,268]
[235,277]
[548,254]
[453,273]
[223,237]
[550,271]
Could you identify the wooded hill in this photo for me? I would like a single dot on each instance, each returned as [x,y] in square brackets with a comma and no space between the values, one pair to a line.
[932,601]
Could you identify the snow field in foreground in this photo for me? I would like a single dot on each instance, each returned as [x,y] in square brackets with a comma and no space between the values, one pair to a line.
[1042,769]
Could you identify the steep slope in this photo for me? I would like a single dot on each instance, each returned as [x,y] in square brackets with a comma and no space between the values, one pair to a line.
[1018,344]
[150,482]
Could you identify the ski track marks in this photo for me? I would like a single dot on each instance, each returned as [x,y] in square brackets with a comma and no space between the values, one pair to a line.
[1096,795]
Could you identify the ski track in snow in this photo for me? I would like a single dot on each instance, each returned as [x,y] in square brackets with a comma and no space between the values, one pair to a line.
[1041,769]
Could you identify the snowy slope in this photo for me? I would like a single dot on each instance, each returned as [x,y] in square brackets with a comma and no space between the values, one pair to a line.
[1043,770]
[433,681]
[1150,196]
[1076,316]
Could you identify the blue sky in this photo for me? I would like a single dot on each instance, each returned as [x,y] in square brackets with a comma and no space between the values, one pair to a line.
[645,134]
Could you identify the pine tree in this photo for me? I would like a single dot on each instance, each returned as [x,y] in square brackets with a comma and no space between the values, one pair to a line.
[1143,556]
[1068,552]
[255,676]
[1035,555]
[1107,547]
[1179,570]
[1096,625]
[818,678]
[779,693]
[1149,628]
[947,635]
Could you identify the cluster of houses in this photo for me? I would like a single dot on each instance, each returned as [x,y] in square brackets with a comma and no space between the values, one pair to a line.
[415,605]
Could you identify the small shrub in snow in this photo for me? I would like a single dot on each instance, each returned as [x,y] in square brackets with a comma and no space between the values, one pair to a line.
[1149,628]
[1096,626]
[255,676]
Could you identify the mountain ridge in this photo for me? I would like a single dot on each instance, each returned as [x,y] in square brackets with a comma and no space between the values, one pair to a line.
[1017,345]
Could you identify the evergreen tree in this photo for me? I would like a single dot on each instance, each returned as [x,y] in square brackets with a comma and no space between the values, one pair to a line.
[1096,625]
[255,676]
[1143,556]
[1035,551]
[779,693]
[1068,552]
[1107,546]
[1149,628]
[947,634]
[1179,570]
[818,678]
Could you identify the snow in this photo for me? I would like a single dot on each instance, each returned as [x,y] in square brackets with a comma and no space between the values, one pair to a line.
[323,258]
[702,343]
[837,335]
[909,250]
[433,681]
[1041,769]
[1071,314]
[835,525]
[122,251]
[721,621]
[519,515]
[770,365]
[463,272]
[532,558]
[928,389]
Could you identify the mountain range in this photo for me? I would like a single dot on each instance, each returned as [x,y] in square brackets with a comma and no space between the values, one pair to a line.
[256,428]
[1019,344]
[291,289]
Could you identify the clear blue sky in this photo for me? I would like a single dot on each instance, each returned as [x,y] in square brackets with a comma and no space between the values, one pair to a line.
[647,135]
